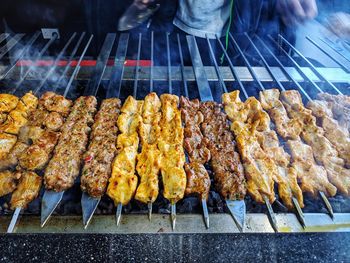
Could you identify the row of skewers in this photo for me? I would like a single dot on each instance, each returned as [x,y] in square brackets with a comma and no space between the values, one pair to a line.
[122,149]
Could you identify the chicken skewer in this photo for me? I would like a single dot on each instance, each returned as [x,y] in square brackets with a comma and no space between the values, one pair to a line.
[123,181]
[170,144]
[98,160]
[323,196]
[246,137]
[148,161]
[198,181]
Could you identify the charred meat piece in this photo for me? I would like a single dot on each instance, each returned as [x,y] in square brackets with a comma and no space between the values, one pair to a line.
[228,170]
[53,102]
[102,149]
[8,182]
[27,190]
[65,164]
[7,102]
[7,141]
[198,181]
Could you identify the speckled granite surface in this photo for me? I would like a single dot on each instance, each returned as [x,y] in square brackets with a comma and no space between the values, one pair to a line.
[308,247]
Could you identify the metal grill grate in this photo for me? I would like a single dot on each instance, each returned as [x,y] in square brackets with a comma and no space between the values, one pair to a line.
[178,64]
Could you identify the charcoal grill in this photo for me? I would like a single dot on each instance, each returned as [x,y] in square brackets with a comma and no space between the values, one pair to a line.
[182,65]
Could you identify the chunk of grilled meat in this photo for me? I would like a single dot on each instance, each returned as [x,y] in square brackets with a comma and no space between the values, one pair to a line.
[7,141]
[228,170]
[148,161]
[334,132]
[53,102]
[102,149]
[323,151]
[286,127]
[313,177]
[27,190]
[198,181]
[37,155]
[172,153]
[8,182]
[123,181]
[7,102]
[65,164]
[18,116]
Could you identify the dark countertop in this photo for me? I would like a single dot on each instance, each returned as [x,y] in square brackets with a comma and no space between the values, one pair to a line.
[306,247]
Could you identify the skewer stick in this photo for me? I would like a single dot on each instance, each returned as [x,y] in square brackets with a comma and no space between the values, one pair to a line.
[327,204]
[205,213]
[271,214]
[324,198]
[299,212]
[118,214]
[149,205]
[14,220]
[173,216]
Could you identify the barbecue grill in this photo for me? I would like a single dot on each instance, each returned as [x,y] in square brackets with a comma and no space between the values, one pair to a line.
[161,62]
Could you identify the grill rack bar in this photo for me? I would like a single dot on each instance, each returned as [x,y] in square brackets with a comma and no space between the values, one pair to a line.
[335,49]
[10,44]
[344,67]
[3,37]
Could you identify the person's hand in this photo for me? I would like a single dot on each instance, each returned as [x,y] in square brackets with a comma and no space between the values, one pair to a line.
[339,24]
[295,12]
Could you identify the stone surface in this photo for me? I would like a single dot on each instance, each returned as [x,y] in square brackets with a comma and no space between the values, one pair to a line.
[307,247]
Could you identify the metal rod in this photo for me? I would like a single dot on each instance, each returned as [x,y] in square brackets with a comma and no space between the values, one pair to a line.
[267,66]
[283,69]
[217,69]
[10,44]
[339,53]
[169,63]
[198,68]
[67,67]
[152,63]
[234,72]
[31,67]
[20,55]
[328,205]
[77,67]
[54,66]
[327,54]
[137,66]
[182,67]
[3,36]
[299,212]
[101,65]
[119,213]
[173,216]
[271,214]
[115,83]
[205,213]
[149,205]
[14,220]
[320,75]
[250,68]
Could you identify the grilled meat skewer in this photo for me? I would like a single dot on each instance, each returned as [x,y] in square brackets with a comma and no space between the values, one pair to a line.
[102,148]
[148,161]
[323,151]
[65,164]
[123,181]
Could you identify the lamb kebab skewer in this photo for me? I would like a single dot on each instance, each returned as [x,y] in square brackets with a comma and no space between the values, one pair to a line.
[99,157]
[198,180]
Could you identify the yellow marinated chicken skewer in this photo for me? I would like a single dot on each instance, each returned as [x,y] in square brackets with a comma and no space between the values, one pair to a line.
[148,161]
[123,181]
[170,144]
